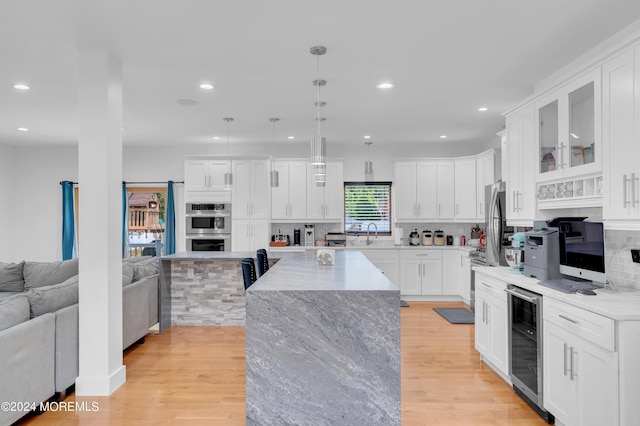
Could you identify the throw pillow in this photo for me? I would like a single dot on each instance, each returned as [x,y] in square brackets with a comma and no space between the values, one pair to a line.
[13,311]
[11,278]
[127,274]
[54,297]
[41,274]
[145,269]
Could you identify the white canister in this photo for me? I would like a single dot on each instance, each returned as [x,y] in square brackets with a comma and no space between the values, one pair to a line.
[456,241]
[398,234]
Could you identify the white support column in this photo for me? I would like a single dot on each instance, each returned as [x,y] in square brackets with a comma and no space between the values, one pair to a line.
[100,224]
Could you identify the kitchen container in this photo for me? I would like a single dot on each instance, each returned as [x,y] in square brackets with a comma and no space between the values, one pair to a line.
[438,238]
[427,238]
[449,240]
[414,238]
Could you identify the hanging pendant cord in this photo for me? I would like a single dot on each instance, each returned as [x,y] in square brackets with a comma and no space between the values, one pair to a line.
[318,120]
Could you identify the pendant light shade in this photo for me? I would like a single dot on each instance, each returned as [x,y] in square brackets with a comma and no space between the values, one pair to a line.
[318,143]
[274,175]
[228,177]
[368,164]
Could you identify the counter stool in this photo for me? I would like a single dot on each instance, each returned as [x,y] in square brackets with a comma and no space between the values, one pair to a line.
[263,261]
[248,271]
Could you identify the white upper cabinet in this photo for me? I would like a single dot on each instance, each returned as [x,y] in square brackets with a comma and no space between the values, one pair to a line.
[205,175]
[519,168]
[485,175]
[424,189]
[568,130]
[621,77]
[289,198]
[466,192]
[326,203]
[250,196]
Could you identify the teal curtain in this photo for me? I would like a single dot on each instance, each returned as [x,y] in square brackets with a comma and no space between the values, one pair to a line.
[69,248]
[170,227]
[125,228]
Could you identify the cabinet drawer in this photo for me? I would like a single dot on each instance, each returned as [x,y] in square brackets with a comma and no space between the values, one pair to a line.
[590,326]
[491,286]
[422,254]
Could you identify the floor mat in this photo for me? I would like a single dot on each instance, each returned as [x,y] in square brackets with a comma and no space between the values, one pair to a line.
[456,315]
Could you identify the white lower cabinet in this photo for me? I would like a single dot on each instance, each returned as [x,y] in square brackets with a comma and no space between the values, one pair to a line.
[580,366]
[456,273]
[491,323]
[387,261]
[421,272]
[249,235]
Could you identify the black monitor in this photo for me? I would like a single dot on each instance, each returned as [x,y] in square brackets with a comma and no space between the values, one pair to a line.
[582,250]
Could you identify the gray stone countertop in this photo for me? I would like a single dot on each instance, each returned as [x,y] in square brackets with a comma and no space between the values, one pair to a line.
[300,271]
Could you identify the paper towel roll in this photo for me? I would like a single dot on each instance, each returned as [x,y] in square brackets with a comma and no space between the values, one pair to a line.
[398,234]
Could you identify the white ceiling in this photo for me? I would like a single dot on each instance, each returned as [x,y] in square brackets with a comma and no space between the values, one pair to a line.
[446,59]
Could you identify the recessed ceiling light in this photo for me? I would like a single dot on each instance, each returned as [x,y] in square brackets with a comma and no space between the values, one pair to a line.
[367,137]
[291,137]
[443,136]
[21,87]
[384,86]
[483,109]
[22,129]
[216,138]
[206,86]
[187,102]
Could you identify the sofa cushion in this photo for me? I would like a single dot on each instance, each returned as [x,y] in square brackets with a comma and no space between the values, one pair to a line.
[13,311]
[11,278]
[40,274]
[136,259]
[54,297]
[127,274]
[145,268]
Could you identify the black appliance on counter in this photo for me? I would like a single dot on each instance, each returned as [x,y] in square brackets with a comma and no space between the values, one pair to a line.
[336,239]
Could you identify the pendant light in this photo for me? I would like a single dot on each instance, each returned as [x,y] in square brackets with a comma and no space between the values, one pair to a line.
[318,143]
[228,177]
[275,175]
[368,164]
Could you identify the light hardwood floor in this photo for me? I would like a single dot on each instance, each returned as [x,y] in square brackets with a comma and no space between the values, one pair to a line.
[196,375]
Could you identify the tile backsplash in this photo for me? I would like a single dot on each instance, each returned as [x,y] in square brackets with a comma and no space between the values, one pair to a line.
[619,267]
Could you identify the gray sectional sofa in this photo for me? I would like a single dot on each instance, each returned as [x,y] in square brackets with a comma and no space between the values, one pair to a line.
[39,325]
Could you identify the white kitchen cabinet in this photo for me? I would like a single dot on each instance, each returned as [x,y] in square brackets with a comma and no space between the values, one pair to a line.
[580,367]
[249,234]
[424,190]
[250,194]
[326,203]
[485,175]
[289,198]
[465,192]
[621,102]
[421,272]
[568,130]
[387,261]
[205,174]
[520,144]
[491,323]
[456,273]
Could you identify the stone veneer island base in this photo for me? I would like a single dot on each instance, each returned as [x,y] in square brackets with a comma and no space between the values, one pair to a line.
[323,344]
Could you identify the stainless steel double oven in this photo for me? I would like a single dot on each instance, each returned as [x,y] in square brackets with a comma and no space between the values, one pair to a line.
[208,226]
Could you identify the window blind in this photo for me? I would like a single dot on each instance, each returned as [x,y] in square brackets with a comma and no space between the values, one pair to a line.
[366,203]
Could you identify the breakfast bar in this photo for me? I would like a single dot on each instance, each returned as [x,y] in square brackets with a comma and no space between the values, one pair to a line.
[323,343]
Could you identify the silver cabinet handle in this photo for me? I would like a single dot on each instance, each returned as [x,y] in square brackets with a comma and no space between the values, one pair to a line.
[419,209]
[625,201]
[522,296]
[419,270]
[573,370]
[564,360]
[562,164]
[424,269]
[487,285]
[633,189]
[481,209]
[439,209]
[568,319]
[484,312]
[514,201]
[488,313]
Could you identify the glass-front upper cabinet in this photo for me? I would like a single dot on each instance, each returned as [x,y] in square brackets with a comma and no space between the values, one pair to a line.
[568,130]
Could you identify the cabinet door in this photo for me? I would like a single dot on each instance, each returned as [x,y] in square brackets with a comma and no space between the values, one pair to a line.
[465,189]
[556,364]
[465,277]
[481,325]
[451,272]
[404,189]
[196,175]
[620,152]
[315,196]
[551,157]
[520,195]
[241,195]
[446,190]
[241,235]
[259,189]
[259,235]
[426,189]
[499,333]
[432,276]
[297,190]
[280,194]
[410,277]
[485,170]
[334,192]
[217,169]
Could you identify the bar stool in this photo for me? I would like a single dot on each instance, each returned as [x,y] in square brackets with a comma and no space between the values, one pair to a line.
[263,261]
[248,271]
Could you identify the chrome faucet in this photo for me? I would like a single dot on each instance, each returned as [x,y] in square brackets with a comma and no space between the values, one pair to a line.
[368,229]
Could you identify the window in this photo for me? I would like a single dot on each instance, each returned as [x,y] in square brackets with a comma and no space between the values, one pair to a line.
[145,219]
[367,203]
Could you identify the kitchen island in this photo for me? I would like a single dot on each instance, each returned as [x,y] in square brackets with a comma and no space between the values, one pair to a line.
[323,344]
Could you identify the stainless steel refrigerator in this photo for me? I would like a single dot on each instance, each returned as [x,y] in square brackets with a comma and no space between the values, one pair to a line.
[496,230]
